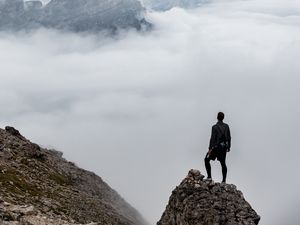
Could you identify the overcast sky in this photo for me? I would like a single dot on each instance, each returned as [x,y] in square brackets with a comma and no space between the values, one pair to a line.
[138,109]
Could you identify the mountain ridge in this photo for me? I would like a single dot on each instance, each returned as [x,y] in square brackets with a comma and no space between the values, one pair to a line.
[73,15]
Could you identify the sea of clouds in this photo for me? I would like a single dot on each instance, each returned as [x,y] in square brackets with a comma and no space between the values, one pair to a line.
[138,108]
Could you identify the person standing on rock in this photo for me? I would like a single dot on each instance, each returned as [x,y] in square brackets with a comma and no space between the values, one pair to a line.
[219,145]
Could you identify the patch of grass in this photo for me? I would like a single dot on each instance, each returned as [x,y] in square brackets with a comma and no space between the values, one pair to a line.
[24,161]
[16,184]
[60,179]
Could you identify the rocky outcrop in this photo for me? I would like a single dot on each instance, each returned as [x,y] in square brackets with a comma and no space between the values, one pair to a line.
[72,15]
[38,186]
[199,202]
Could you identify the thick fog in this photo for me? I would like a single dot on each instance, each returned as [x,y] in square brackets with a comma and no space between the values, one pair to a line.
[138,108]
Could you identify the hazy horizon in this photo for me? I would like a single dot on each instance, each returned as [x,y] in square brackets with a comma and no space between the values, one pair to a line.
[137,109]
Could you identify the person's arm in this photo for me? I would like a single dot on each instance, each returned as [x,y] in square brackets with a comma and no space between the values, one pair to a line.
[228,137]
[212,139]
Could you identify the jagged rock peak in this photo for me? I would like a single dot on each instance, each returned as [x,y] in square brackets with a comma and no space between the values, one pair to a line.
[199,202]
[39,187]
[13,132]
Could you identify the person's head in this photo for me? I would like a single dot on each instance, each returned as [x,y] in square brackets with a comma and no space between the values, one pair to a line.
[220,116]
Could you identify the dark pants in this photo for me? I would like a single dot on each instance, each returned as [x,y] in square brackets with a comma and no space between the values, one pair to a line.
[220,154]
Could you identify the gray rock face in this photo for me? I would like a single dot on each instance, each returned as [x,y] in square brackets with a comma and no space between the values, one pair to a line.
[39,187]
[198,202]
[72,15]
[11,13]
[11,6]
[33,5]
[81,15]
[163,5]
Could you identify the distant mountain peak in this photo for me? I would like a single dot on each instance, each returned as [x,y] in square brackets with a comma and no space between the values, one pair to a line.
[72,15]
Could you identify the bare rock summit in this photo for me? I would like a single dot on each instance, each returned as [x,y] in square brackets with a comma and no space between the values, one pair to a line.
[199,202]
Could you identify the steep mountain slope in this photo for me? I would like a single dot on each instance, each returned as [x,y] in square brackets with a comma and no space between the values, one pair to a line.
[72,15]
[55,188]
[198,202]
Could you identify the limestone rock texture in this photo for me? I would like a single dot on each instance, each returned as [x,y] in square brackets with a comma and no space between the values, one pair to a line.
[38,186]
[199,202]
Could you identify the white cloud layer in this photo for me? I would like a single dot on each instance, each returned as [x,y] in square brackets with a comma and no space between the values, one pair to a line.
[138,109]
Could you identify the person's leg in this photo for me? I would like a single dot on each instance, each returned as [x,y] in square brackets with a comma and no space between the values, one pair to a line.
[224,167]
[207,166]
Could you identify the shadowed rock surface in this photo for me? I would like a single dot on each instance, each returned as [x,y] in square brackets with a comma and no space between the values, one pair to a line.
[198,202]
[38,186]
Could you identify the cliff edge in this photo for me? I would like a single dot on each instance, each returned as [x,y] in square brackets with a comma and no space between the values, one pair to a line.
[199,202]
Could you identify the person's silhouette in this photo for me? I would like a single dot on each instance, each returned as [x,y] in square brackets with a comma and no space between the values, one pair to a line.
[219,145]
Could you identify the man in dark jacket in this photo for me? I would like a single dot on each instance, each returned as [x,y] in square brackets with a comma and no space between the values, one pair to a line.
[219,145]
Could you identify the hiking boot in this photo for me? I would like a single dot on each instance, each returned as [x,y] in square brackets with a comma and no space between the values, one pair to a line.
[209,179]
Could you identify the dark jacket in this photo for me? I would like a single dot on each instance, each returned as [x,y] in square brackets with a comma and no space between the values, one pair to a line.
[220,131]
